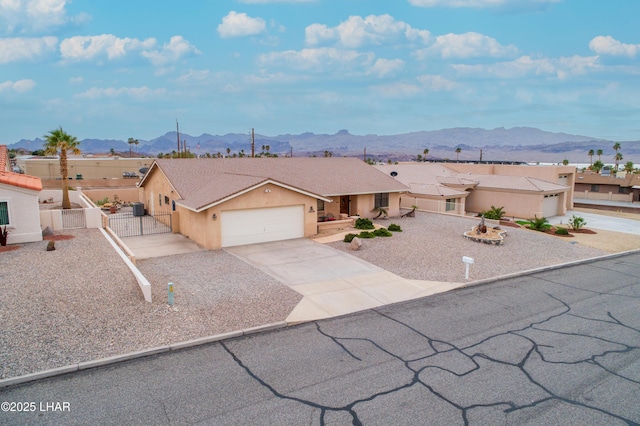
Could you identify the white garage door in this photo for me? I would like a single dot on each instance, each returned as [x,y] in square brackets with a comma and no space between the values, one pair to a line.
[252,226]
[550,205]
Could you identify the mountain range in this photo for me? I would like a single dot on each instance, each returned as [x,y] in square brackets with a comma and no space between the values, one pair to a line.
[515,144]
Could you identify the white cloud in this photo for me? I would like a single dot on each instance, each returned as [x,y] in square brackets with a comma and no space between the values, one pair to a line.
[25,49]
[320,58]
[397,90]
[561,68]
[194,75]
[85,48]
[240,25]
[607,45]
[436,83]
[20,86]
[176,49]
[384,67]
[27,16]
[467,45]
[76,80]
[357,31]
[140,93]
[479,4]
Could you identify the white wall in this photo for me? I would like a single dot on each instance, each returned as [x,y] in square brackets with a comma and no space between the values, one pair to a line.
[24,215]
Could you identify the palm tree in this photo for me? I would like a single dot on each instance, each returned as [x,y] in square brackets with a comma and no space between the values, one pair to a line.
[617,159]
[628,167]
[591,154]
[458,150]
[425,152]
[131,142]
[565,162]
[58,142]
[599,153]
[597,166]
[616,146]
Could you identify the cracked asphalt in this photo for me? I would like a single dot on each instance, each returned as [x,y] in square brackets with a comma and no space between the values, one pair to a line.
[557,347]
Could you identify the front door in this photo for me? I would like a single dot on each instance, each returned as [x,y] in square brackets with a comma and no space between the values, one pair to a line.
[344,205]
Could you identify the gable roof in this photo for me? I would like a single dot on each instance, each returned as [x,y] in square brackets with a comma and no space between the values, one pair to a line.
[8,177]
[202,182]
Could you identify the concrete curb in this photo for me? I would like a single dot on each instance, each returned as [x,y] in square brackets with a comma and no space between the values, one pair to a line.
[86,365]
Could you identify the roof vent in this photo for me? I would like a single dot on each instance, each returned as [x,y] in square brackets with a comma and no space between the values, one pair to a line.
[394,174]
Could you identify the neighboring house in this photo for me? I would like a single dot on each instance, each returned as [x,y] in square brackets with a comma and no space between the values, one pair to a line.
[19,208]
[223,202]
[438,187]
[621,187]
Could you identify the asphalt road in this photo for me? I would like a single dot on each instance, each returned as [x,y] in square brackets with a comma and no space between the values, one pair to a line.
[557,347]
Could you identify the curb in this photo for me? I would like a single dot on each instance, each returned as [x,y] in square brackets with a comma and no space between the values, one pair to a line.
[86,365]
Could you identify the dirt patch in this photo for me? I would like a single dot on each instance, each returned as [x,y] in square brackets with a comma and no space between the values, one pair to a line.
[6,249]
[509,224]
[60,237]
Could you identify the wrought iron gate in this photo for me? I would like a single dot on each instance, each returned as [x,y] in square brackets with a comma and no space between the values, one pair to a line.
[128,225]
[73,219]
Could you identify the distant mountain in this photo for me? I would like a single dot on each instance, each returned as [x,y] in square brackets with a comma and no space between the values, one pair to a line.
[518,143]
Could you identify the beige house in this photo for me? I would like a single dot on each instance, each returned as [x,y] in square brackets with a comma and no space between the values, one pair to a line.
[84,167]
[224,202]
[472,188]
[623,187]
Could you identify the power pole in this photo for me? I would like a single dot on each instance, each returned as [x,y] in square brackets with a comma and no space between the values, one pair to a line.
[480,154]
[365,154]
[253,143]
[178,135]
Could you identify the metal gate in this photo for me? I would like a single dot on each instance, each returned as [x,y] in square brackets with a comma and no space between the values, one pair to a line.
[73,219]
[128,225]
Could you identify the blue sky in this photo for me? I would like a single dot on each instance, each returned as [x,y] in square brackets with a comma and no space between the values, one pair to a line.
[118,69]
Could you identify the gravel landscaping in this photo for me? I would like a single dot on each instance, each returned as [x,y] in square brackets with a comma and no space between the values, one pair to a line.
[80,302]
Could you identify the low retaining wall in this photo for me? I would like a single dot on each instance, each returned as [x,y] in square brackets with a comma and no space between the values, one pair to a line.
[335,224]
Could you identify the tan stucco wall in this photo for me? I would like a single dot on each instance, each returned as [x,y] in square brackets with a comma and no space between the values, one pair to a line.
[156,184]
[24,214]
[125,195]
[433,204]
[89,168]
[518,205]
[204,230]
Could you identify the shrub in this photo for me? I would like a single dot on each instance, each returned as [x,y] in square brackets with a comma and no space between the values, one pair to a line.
[102,202]
[366,234]
[364,223]
[539,223]
[576,222]
[495,213]
[382,232]
[349,237]
[562,231]
[395,228]
[523,222]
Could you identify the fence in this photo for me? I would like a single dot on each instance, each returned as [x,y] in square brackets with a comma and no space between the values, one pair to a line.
[128,225]
[73,219]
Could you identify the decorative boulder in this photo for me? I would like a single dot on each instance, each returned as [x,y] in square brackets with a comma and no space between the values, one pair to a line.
[51,246]
[356,243]
[47,232]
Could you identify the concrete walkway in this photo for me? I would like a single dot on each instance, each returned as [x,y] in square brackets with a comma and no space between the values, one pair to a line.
[332,282]
[159,245]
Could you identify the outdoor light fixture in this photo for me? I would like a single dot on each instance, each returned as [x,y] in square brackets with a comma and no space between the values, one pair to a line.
[267,190]
[311,210]
[214,216]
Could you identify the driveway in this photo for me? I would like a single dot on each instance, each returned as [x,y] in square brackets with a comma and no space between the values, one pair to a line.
[332,282]
[597,221]
[158,245]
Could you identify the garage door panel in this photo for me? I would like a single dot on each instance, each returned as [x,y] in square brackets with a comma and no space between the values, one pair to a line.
[550,206]
[252,226]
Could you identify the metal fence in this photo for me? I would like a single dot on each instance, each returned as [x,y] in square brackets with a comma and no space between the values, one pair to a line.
[128,225]
[73,219]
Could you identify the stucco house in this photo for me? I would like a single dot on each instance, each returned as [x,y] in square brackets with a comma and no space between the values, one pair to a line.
[223,202]
[19,209]
[438,187]
[622,186]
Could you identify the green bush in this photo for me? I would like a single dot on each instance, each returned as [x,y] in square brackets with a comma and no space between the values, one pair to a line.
[382,232]
[349,237]
[364,223]
[395,228]
[576,222]
[366,234]
[523,222]
[539,223]
[495,213]
[562,231]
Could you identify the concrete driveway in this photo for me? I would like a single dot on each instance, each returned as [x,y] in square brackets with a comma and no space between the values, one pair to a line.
[158,245]
[598,221]
[332,282]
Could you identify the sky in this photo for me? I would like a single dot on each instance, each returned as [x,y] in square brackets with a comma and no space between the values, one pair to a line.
[119,69]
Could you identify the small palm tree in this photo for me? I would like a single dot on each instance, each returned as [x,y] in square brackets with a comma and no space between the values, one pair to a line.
[597,166]
[628,167]
[458,150]
[58,142]
[599,154]
[565,162]
[591,154]
[425,152]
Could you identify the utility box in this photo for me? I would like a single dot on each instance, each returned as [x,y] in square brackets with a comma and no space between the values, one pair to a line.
[138,209]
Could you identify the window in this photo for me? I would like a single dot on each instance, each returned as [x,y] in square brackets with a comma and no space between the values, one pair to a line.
[166,199]
[320,205]
[159,199]
[595,188]
[451,205]
[4,213]
[624,190]
[382,200]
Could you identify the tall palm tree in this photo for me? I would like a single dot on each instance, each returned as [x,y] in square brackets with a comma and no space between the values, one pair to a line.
[599,154]
[131,142]
[617,159]
[425,152]
[458,150]
[58,142]
[616,146]
[591,154]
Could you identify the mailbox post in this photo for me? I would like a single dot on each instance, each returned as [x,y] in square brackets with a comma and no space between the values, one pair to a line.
[467,261]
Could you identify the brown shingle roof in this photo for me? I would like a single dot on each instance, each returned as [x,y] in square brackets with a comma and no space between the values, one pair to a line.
[204,181]
[16,179]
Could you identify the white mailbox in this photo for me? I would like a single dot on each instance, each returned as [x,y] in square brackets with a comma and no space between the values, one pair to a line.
[467,261]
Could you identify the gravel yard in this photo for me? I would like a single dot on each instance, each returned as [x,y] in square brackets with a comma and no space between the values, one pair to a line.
[80,302]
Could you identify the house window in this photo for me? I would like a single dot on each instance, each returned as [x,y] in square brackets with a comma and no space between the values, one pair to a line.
[159,199]
[595,188]
[382,200]
[166,199]
[320,205]
[451,205]
[624,190]
[4,213]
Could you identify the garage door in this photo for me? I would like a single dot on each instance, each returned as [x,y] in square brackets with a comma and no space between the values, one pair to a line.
[550,206]
[252,226]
